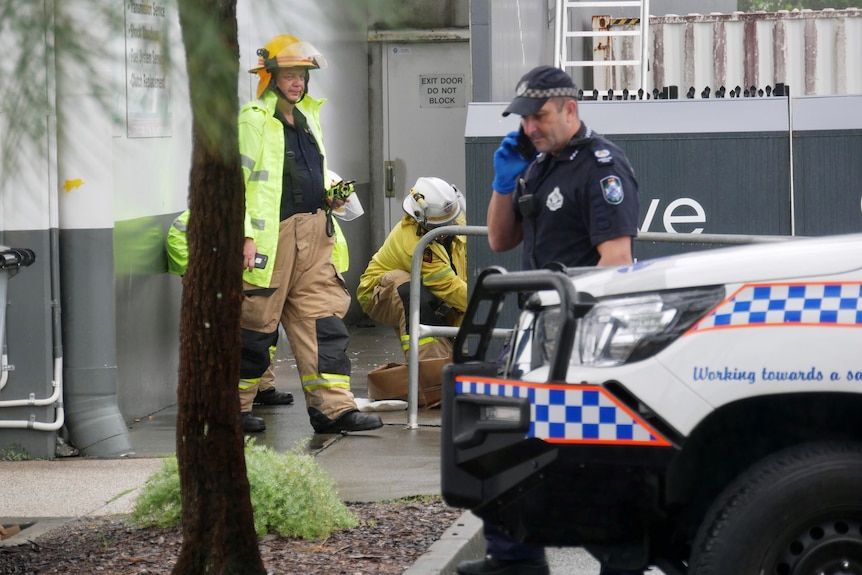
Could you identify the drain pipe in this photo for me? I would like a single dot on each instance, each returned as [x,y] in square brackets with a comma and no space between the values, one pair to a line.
[96,426]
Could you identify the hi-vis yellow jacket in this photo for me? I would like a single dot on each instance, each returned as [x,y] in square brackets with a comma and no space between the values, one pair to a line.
[262,173]
[261,148]
[444,277]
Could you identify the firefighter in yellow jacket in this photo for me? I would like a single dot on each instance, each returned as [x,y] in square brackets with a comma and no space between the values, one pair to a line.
[289,276]
[384,288]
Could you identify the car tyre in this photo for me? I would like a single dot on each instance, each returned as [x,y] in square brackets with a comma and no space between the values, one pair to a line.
[796,512]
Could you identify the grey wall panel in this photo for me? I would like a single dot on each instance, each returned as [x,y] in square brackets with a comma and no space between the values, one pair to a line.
[828,182]
[480,173]
[147,343]
[726,183]
[147,306]
[724,163]
[739,180]
[29,345]
[420,14]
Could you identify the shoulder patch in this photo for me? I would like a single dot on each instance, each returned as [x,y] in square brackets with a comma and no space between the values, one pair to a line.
[612,190]
[427,256]
[603,157]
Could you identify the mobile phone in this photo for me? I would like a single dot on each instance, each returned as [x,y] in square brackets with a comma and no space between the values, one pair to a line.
[525,146]
[260,260]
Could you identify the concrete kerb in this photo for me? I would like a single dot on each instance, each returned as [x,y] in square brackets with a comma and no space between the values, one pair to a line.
[32,528]
[463,540]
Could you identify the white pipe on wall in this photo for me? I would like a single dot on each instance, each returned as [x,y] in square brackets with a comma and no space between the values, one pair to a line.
[5,368]
[4,359]
[56,398]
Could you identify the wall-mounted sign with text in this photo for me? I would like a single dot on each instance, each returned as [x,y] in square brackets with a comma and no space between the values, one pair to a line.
[442,91]
[148,94]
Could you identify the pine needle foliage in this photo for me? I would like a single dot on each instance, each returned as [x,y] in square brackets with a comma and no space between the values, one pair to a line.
[160,504]
[291,495]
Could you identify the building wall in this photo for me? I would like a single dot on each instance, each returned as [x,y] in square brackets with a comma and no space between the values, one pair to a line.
[106,164]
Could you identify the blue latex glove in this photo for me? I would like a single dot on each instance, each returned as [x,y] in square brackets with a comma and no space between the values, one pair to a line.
[508,164]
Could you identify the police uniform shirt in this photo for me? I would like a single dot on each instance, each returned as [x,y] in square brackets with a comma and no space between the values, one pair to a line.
[569,203]
[304,179]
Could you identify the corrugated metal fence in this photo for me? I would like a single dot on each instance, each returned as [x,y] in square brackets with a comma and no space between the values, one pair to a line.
[812,52]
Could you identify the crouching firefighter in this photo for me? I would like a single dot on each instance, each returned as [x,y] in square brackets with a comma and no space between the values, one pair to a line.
[384,288]
[289,276]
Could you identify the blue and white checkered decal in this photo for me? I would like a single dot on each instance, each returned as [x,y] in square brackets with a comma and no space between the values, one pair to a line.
[569,413]
[755,305]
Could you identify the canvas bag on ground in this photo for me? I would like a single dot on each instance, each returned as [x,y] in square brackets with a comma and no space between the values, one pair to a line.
[390,382]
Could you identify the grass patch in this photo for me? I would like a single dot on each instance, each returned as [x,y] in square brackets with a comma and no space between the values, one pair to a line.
[14,452]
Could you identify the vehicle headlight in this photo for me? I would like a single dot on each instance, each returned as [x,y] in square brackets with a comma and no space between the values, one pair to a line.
[626,329]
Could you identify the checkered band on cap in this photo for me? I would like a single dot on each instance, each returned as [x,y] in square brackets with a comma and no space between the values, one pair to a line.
[547,92]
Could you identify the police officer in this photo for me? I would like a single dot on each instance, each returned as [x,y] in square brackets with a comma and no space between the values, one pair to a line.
[570,196]
[289,276]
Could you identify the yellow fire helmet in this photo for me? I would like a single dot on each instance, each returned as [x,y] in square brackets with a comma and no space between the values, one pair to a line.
[285,51]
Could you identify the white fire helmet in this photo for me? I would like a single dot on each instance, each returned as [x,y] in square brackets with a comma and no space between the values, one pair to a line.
[432,202]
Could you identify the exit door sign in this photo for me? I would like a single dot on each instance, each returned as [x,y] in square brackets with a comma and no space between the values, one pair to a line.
[442,91]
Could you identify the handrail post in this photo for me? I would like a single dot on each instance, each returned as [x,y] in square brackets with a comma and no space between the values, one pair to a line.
[414,326]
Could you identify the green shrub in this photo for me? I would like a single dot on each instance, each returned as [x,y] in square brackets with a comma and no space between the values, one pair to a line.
[290,495]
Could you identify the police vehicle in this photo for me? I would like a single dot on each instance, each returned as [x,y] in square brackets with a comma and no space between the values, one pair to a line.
[701,412]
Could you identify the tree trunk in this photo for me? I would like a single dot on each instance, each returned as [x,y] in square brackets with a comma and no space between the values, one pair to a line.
[218,526]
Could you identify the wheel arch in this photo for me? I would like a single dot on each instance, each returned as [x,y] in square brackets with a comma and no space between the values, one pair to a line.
[737,435]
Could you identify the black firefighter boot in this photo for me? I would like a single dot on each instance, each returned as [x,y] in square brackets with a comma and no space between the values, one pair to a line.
[353,420]
[252,424]
[272,396]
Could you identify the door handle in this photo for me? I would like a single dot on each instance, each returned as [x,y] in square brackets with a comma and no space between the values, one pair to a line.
[389,167]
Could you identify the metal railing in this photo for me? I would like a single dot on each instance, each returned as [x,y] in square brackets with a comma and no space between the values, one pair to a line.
[718,239]
[417,330]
